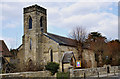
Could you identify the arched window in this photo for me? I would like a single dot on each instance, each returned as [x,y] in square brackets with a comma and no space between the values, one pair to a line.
[30,23]
[30,44]
[41,21]
[51,55]
[30,65]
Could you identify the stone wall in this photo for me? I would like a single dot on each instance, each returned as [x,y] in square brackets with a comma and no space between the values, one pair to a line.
[28,74]
[73,72]
[20,60]
[93,71]
[58,51]
[48,45]
[88,57]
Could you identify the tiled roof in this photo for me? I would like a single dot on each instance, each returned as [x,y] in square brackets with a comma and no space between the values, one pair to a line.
[4,51]
[60,39]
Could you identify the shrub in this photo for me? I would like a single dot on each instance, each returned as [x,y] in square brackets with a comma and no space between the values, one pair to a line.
[119,61]
[52,67]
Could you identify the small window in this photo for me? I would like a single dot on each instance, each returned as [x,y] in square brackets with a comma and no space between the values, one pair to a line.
[30,23]
[30,44]
[51,55]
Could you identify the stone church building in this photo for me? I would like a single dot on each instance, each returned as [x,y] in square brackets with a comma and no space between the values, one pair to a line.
[40,47]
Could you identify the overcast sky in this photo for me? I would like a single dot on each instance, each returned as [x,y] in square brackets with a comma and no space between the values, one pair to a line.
[62,17]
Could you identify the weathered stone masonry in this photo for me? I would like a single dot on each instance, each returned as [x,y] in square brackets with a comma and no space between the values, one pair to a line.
[38,44]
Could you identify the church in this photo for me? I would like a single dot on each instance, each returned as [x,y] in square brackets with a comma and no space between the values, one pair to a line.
[40,47]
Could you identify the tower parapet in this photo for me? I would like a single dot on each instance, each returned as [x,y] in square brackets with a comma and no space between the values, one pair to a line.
[35,8]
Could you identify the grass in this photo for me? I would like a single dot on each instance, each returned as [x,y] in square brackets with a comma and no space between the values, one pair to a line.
[63,75]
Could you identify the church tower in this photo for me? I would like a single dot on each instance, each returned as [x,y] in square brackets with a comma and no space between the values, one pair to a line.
[35,24]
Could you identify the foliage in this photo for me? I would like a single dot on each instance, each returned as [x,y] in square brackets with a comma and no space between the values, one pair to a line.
[97,43]
[63,75]
[108,61]
[119,61]
[113,51]
[95,34]
[52,67]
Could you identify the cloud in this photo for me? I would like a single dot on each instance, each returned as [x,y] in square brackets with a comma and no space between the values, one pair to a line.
[108,27]
[84,8]
[102,22]
[10,42]
[10,11]
[94,16]
[11,25]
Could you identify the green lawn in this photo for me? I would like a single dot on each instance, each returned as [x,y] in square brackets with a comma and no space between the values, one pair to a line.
[63,75]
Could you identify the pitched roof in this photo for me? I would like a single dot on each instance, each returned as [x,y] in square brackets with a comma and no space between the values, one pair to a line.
[67,57]
[60,39]
[4,51]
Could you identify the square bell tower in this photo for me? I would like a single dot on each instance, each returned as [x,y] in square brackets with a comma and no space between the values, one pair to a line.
[35,24]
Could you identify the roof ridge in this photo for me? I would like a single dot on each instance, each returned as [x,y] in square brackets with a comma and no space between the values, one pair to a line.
[61,36]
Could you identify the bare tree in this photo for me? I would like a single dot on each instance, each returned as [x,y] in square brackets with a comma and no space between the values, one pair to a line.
[79,34]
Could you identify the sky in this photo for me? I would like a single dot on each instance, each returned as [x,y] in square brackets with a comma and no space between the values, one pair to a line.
[62,17]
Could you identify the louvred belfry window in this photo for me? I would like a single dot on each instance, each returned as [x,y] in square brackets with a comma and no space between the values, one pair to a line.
[30,23]
[41,21]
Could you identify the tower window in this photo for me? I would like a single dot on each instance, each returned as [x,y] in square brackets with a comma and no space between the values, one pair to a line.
[41,21]
[30,23]
[30,44]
